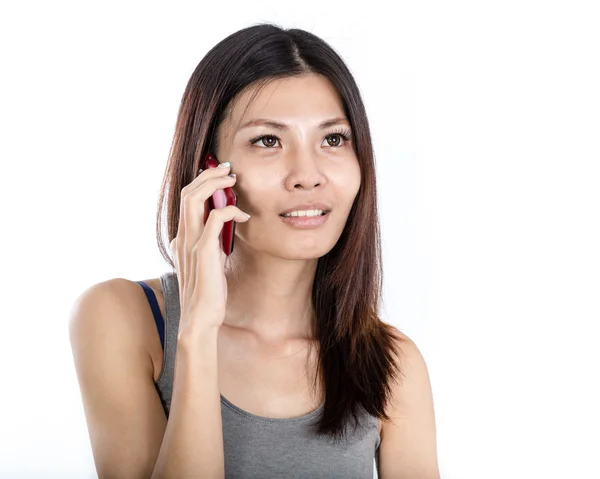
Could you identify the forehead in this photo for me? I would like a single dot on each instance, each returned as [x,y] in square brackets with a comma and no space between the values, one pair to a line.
[312,97]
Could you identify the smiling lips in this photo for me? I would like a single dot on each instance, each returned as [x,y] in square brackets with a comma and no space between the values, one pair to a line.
[305,213]
[308,206]
[305,221]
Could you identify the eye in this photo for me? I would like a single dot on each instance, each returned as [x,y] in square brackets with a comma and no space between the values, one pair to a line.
[269,141]
[345,135]
[266,144]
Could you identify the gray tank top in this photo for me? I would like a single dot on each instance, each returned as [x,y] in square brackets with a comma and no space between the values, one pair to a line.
[264,447]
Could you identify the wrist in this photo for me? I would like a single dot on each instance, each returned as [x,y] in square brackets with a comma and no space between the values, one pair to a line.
[197,336]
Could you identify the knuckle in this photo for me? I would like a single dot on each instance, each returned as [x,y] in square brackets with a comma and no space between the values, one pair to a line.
[186,190]
[185,197]
[220,212]
[187,201]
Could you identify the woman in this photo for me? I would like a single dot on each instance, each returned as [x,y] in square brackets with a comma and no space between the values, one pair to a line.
[270,362]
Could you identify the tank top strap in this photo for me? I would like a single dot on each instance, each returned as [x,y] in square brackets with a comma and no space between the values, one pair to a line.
[158,319]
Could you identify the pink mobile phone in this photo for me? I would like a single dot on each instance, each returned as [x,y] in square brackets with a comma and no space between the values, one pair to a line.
[220,199]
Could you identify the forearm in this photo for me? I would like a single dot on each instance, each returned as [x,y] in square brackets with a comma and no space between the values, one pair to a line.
[193,442]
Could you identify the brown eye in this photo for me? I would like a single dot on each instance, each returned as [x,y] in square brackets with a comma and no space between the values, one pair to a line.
[334,140]
[335,143]
[269,141]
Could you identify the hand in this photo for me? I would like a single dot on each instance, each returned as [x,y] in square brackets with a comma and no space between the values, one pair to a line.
[199,259]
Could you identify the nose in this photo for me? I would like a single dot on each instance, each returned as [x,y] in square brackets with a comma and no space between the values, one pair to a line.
[303,172]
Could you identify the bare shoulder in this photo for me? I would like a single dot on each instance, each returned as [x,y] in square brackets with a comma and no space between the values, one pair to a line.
[406,348]
[408,439]
[118,308]
[110,329]
[110,295]
[410,362]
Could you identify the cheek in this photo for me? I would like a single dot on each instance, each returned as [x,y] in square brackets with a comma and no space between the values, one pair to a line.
[256,193]
[347,183]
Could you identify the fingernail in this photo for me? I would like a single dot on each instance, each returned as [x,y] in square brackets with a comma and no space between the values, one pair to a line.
[248,215]
[233,175]
[224,165]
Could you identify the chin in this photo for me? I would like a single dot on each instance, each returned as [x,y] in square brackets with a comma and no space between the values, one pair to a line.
[291,247]
[299,251]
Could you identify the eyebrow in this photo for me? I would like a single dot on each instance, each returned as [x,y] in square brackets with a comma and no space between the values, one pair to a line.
[283,127]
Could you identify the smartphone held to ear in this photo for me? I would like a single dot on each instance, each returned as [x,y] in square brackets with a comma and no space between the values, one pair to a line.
[220,199]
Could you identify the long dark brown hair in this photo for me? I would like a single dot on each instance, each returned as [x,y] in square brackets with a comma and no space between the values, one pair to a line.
[356,363]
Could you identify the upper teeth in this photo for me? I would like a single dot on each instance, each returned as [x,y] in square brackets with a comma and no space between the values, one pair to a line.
[305,213]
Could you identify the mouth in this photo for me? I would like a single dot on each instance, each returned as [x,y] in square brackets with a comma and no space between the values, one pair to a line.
[322,213]
[303,222]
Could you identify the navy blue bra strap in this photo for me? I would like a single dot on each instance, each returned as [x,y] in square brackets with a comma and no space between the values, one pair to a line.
[158,319]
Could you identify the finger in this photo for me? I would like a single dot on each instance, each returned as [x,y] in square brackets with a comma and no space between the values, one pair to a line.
[202,178]
[217,218]
[205,175]
[191,218]
[196,204]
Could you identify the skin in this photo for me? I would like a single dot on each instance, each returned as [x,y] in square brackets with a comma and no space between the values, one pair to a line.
[276,261]
[262,344]
[263,364]
[263,341]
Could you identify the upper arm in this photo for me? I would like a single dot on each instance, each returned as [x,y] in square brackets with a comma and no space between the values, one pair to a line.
[125,419]
[408,441]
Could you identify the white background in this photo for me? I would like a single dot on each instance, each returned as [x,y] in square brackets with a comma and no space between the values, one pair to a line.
[485,120]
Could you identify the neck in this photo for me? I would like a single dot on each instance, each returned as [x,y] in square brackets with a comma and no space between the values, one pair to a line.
[269,296]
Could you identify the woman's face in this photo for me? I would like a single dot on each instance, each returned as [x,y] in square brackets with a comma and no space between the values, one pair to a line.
[300,163]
